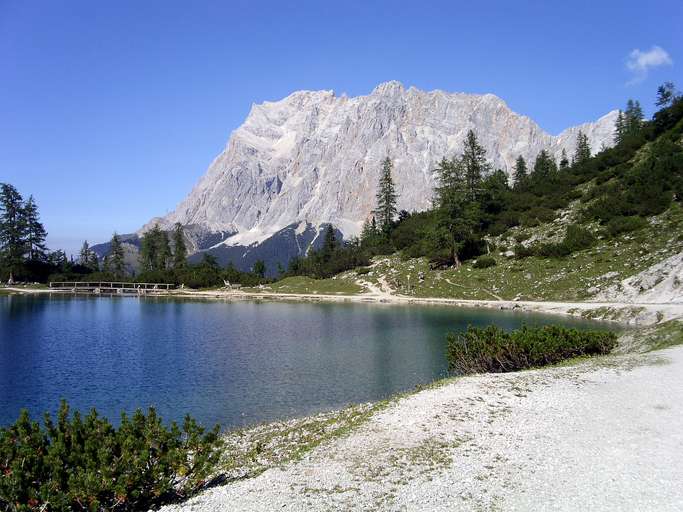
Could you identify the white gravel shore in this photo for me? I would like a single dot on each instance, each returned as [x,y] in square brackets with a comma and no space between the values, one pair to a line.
[603,435]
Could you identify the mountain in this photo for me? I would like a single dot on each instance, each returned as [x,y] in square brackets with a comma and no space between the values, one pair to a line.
[314,158]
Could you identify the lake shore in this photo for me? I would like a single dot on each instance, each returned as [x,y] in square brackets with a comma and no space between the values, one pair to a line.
[577,437]
[628,313]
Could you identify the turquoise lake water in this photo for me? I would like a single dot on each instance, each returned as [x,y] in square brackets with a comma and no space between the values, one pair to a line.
[233,363]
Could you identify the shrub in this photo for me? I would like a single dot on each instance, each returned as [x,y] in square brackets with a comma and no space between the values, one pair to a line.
[578,238]
[551,250]
[484,262]
[522,252]
[619,225]
[80,463]
[493,350]
[363,270]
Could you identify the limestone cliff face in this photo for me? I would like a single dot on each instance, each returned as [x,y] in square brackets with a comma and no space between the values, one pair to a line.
[314,157]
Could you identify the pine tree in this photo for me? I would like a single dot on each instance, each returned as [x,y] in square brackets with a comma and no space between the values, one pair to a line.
[475,164]
[564,161]
[633,118]
[520,173]
[115,260]
[155,251]
[619,128]
[179,247]
[84,255]
[35,232]
[329,243]
[94,261]
[450,179]
[386,198]
[259,268]
[666,94]
[13,228]
[583,149]
[544,166]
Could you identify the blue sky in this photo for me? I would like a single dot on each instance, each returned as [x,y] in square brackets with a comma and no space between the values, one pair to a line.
[111,111]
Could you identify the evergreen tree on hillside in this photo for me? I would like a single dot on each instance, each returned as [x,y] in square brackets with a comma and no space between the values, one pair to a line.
[115,260]
[520,173]
[329,243]
[666,94]
[155,251]
[386,198]
[179,247]
[259,268]
[35,232]
[475,164]
[564,160]
[13,228]
[633,118]
[84,255]
[450,178]
[544,166]
[583,149]
[619,128]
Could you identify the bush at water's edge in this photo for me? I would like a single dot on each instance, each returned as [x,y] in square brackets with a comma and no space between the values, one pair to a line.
[493,350]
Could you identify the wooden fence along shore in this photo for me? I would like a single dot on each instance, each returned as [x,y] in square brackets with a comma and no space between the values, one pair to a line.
[111,288]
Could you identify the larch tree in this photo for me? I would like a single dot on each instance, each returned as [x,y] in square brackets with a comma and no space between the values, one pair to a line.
[475,164]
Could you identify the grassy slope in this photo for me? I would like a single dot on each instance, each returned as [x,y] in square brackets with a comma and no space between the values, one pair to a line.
[577,277]
[306,285]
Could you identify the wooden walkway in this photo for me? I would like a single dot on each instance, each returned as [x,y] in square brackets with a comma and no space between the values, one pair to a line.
[111,288]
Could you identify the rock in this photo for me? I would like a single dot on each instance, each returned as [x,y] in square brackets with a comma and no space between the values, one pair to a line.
[509,254]
[315,157]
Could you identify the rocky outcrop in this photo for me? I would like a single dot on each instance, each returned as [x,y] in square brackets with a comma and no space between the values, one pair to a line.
[315,157]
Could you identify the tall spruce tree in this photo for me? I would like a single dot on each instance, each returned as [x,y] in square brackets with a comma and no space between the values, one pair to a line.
[84,255]
[179,247]
[633,118]
[666,94]
[386,198]
[544,166]
[115,260]
[619,128]
[155,250]
[13,229]
[564,160]
[329,243]
[583,149]
[520,172]
[475,164]
[35,232]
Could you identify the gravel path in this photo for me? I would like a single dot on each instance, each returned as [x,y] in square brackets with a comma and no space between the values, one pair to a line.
[603,435]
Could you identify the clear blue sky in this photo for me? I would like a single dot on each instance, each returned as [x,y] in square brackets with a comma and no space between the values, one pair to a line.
[111,111]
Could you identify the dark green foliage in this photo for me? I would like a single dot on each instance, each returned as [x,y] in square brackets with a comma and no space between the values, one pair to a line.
[84,463]
[484,262]
[259,268]
[386,198]
[114,260]
[35,232]
[578,238]
[179,247]
[619,225]
[493,350]
[155,250]
[583,149]
[13,227]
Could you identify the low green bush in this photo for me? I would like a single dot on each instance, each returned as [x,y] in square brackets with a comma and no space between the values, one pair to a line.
[619,225]
[578,238]
[84,463]
[493,350]
[363,270]
[484,262]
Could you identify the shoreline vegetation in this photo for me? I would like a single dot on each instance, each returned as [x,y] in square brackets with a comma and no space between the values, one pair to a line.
[189,461]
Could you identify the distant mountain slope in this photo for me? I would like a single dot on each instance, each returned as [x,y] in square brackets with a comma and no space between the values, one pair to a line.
[315,157]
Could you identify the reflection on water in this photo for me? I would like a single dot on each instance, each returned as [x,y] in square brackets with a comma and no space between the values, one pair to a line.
[233,363]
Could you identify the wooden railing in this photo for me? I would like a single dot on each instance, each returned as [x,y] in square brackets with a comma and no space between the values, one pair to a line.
[108,287]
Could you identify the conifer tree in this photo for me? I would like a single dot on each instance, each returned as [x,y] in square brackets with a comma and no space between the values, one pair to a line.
[583,149]
[13,229]
[666,94]
[179,247]
[633,118]
[386,198]
[259,268]
[619,128]
[520,173]
[475,164]
[564,161]
[84,255]
[329,243]
[544,166]
[450,179]
[35,232]
[115,260]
